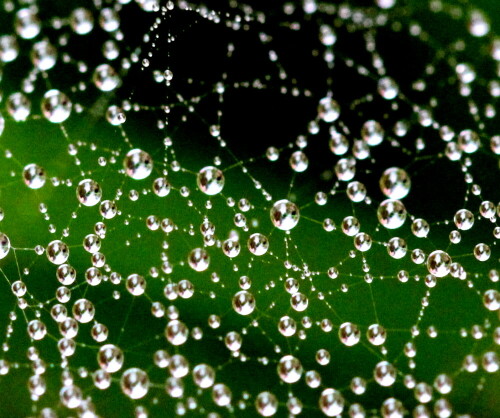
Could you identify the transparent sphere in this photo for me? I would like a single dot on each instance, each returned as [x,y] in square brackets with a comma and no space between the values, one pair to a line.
[372,133]
[438,263]
[284,215]
[376,334]
[243,302]
[138,164]
[210,180]
[469,141]
[384,373]
[176,332]
[266,404]
[391,213]
[115,115]
[203,376]
[331,402]
[56,106]
[199,259]
[135,383]
[299,162]
[83,310]
[328,109]
[43,55]
[4,245]
[81,21]
[110,358]
[88,192]
[34,176]
[135,284]
[221,394]
[37,329]
[258,244]
[106,78]
[57,252]
[18,106]
[289,369]
[464,219]
[395,183]
[349,334]
[27,24]
[9,48]
[388,88]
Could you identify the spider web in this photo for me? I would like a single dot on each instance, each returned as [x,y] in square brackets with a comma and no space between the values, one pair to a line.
[239,87]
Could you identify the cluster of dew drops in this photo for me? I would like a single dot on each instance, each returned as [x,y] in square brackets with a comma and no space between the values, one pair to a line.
[395,183]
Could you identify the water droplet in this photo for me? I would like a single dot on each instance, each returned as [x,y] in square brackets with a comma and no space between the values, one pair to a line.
[328,109]
[135,383]
[34,176]
[210,180]
[203,376]
[384,373]
[464,219]
[299,162]
[18,106]
[199,259]
[438,263]
[388,88]
[27,24]
[57,252]
[138,164]
[266,404]
[44,55]
[88,192]
[395,183]
[106,78]
[290,369]
[468,141]
[391,213]
[176,332]
[285,215]
[376,334]
[258,244]
[349,334]
[56,106]
[83,311]
[331,402]
[81,21]
[372,133]
[243,302]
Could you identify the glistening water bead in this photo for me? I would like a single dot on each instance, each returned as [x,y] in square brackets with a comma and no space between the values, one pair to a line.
[395,183]
[290,369]
[138,164]
[34,176]
[391,213]
[199,259]
[4,245]
[388,88]
[284,215]
[57,252]
[106,78]
[135,383]
[56,106]
[328,109]
[438,263]
[110,358]
[210,180]
[88,192]
[243,302]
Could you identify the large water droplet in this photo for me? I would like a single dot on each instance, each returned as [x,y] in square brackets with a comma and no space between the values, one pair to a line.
[395,183]
[138,164]
[285,215]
